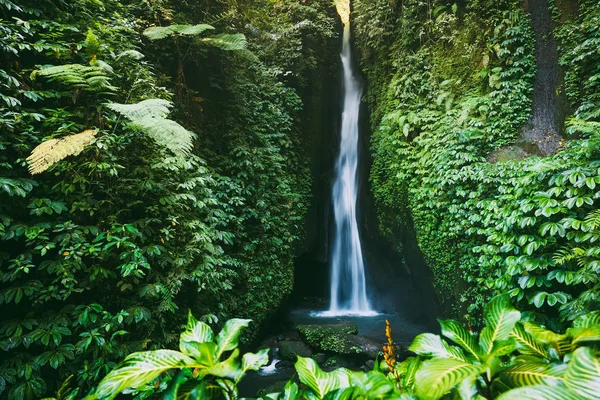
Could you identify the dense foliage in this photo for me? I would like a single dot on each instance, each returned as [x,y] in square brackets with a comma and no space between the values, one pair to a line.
[450,88]
[510,359]
[171,175]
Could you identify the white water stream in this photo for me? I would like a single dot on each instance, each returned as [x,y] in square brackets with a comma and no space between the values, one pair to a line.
[348,287]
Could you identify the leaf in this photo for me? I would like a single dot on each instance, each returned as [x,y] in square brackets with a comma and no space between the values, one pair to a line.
[588,320]
[51,151]
[532,373]
[318,381]
[500,318]
[527,344]
[583,373]
[150,117]
[290,391]
[228,338]
[540,392]
[459,335]
[253,361]
[227,42]
[161,32]
[197,333]
[428,344]
[140,368]
[230,368]
[437,377]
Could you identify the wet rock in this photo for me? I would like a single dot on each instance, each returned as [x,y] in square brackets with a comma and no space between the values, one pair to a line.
[284,364]
[289,350]
[370,364]
[320,358]
[277,387]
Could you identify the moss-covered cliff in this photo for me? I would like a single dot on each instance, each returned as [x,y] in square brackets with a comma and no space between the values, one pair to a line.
[453,97]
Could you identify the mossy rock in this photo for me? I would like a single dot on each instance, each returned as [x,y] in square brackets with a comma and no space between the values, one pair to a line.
[315,335]
[288,350]
[343,343]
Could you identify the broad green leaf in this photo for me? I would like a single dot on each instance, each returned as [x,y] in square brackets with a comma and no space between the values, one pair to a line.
[428,344]
[413,366]
[253,362]
[229,336]
[540,392]
[500,318]
[532,373]
[437,377]
[290,391]
[459,335]
[583,373]
[583,335]
[588,320]
[230,368]
[319,382]
[195,334]
[560,342]
[140,368]
[161,32]
[527,344]
[184,387]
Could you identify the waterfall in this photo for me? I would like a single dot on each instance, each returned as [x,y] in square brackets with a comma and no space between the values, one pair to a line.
[348,287]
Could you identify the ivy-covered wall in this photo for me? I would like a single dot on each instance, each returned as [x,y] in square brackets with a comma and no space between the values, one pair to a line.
[450,90]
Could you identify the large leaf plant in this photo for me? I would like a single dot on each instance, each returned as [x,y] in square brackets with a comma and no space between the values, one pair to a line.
[510,359]
[201,355]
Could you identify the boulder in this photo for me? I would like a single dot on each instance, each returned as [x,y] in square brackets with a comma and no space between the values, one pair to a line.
[320,358]
[314,335]
[351,344]
[288,350]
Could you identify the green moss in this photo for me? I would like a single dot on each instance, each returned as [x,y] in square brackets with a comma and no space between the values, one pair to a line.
[325,337]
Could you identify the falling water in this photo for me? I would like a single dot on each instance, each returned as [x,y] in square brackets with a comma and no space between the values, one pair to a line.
[348,287]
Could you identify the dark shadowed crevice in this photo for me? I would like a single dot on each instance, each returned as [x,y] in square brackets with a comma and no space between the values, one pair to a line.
[541,135]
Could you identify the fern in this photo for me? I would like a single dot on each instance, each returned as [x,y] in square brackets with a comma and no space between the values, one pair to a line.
[161,32]
[229,42]
[150,116]
[51,151]
[223,41]
[93,78]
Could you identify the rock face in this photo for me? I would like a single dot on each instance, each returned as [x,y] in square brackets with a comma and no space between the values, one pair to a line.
[289,350]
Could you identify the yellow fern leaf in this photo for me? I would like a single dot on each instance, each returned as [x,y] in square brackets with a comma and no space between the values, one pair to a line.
[53,150]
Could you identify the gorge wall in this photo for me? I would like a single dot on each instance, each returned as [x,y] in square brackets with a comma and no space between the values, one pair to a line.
[462,98]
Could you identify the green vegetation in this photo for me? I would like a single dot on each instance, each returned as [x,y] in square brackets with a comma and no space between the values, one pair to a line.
[156,156]
[170,174]
[511,358]
[450,89]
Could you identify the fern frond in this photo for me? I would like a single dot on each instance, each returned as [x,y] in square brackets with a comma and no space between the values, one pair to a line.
[592,220]
[91,78]
[51,151]
[161,32]
[136,55]
[150,116]
[226,41]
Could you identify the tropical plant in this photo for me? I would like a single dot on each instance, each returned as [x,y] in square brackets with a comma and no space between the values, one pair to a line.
[222,41]
[510,358]
[201,355]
